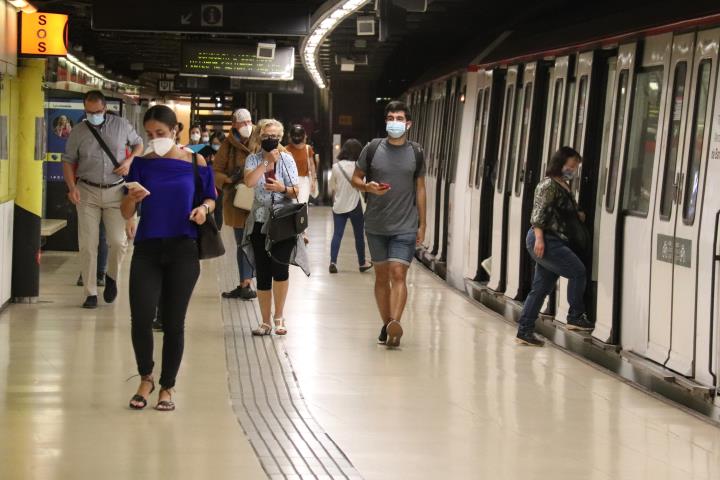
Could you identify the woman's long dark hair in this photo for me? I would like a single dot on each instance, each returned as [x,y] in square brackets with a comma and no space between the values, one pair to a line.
[350,150]
[557,161]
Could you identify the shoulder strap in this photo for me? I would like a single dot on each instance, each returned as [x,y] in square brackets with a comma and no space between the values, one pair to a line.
[103,145]
[344,173]
[419,157]
[198,180]
[372,148]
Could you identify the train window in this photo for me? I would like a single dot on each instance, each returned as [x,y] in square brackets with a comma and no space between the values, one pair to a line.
[617,140]
[484,133]
[678,100]
[476,139]
[568,114]
[512,154]
[556,128]
[504,143]
[637,181]
[522,161]
[692,178]
[580,114]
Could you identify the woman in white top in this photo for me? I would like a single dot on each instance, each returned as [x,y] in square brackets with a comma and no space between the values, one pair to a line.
[347,204]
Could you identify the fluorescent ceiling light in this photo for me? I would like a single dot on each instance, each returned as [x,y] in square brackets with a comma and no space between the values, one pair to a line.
[322,27]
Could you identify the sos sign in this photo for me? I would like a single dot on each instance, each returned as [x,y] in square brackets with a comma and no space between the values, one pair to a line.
[43,34]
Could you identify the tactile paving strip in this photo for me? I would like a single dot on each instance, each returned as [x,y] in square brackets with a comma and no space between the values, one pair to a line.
[266,397]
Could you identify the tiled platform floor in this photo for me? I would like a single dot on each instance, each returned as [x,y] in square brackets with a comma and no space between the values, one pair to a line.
[459,400]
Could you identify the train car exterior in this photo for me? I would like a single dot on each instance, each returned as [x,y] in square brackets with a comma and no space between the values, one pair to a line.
[644,112]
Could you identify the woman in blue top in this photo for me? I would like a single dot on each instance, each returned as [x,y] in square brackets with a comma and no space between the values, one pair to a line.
[165,264]
[274,176]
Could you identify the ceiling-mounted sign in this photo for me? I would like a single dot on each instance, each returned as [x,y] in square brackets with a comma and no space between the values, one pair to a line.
[43,34]
[240,61]
[287,19]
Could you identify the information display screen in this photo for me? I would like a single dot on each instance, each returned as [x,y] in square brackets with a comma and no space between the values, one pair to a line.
[238,61]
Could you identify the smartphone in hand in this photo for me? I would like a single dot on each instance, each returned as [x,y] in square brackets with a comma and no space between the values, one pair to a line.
[136,186]
[384,186]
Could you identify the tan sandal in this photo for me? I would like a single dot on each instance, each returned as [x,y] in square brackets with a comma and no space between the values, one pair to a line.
[280,326]
[262,329]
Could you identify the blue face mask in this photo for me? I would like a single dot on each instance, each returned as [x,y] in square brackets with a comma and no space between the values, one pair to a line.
[96,118]
[568,175]
[395,129]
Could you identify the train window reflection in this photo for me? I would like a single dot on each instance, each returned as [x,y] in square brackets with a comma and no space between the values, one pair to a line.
[568,115]
[513,153]
[522,161]
[674,131]
[484,132]
[620,106]
[556,127]
[637,181]
[476,139]
[580,114]
[505,143]
[692,178]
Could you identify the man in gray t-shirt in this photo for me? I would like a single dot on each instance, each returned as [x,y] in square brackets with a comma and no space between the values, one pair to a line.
[392,171]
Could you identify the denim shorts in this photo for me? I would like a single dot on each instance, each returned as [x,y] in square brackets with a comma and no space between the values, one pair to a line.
[392,248]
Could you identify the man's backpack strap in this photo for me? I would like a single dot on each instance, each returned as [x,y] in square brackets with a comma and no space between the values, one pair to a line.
[419,157]
[372,148]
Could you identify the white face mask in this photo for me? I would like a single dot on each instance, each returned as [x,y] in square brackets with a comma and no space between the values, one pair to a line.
[205,139]
[161,145]
[195,137]
[245,131]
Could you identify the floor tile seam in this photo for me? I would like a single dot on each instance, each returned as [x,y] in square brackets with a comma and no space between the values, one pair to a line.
[251,306]
[292,393]
[233,339]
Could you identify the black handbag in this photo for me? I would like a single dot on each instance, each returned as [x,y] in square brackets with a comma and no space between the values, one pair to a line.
[210,243]
[287,221]
[575,230]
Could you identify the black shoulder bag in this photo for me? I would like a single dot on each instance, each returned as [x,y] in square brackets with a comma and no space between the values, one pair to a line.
[575,230]
[210,244]
[103,145]
[287,221]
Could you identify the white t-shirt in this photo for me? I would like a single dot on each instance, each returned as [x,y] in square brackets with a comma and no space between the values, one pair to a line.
[346,197]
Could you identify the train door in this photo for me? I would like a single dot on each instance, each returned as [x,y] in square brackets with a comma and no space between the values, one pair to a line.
[472,202]
[682,248]
[606,326]
[433,97]
[661,278]
[638,184]
[451,137]
[582,132]
[502,195]
[521,173]
[487,151]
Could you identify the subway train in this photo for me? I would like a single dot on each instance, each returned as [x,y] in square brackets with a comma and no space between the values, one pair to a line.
[643,109]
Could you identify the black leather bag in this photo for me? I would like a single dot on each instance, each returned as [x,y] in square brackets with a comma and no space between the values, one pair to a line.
[210,243]
[575,230]
[287,221]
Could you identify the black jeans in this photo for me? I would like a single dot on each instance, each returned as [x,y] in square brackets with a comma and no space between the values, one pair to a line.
[267,269]
[162,270]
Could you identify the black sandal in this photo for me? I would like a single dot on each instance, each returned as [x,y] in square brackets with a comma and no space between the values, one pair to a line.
[165,405]
[139,398]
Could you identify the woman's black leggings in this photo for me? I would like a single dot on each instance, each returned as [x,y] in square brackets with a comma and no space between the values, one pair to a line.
[162,270]
[267,269]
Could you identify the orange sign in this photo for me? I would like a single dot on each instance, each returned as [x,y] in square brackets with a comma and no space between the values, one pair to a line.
[43,34]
